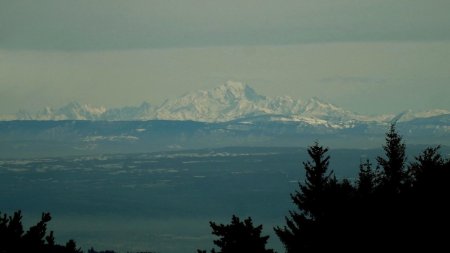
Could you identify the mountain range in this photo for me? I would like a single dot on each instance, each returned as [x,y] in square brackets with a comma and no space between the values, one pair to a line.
[228,102]
[232,114]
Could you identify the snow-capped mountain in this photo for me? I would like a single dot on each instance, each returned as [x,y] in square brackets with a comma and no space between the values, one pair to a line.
[226,102]
[232,114]
[70,111]
[411,115]
[235,100]
[230,101]
[143,112]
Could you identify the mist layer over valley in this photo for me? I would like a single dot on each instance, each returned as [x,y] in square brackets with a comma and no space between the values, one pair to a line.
[162,201]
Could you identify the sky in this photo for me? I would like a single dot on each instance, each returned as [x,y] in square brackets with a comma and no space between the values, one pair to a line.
[367,56]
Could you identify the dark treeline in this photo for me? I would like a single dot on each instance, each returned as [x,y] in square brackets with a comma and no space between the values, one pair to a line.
[13,239]
[395,207]
[391,206]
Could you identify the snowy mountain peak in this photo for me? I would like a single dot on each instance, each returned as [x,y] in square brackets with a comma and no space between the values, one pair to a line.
[232,90]
[316,100]
[315,107]
[410,115]
[71,111]
[229,101]
[233,85]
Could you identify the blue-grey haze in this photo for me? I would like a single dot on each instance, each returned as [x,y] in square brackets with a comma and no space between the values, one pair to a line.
[161,201]
[367,56]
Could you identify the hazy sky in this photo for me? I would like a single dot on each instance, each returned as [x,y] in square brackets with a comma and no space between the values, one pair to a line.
[365,55]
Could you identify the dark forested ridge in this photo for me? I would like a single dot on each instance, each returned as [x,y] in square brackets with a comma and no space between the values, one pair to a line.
[394,203]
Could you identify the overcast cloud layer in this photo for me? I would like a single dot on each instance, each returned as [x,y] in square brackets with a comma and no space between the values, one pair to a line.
[360,54]
[118,24]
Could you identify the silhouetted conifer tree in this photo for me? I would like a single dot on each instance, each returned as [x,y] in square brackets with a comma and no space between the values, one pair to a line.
[303,227]
[34,237]
[310,197]
[393,173]
[71,247]
[430,200]
[366,179]
[11,231]
[428,167]
[239,237]
[390,209]
[14,240]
